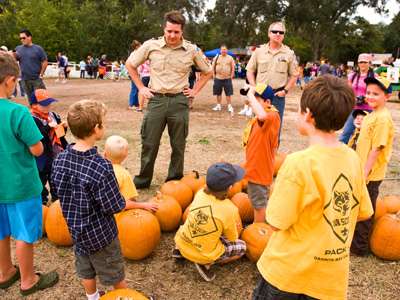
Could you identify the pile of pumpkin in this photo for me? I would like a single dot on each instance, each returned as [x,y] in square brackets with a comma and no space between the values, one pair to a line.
[385,236]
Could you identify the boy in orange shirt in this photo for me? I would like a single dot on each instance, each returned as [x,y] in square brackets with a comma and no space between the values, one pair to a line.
[260,139]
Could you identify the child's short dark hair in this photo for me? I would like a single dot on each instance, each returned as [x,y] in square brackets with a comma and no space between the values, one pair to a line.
[174,17]
[8,67]
[83,116]
[26,31]
[330,101]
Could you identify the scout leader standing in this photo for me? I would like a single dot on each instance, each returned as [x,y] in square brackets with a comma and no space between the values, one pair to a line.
[224,71]
[171,58]
[274,64]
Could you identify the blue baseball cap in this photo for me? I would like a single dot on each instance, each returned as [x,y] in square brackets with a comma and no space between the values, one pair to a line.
[221,176]
[41,97]
[264,91]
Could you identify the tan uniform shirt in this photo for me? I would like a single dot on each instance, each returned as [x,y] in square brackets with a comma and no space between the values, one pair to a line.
[273,68]
[169,67]
[223,67]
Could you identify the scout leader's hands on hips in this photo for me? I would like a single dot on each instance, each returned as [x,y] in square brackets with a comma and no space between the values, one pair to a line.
[188,92]
[146,92]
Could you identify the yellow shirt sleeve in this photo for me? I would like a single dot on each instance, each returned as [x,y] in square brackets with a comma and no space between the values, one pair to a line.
[126,186]
[285,204]
[381,134]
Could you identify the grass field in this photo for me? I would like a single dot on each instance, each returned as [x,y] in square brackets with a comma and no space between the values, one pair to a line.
[213,136]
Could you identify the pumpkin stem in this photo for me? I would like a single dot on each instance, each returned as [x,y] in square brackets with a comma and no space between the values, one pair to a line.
[158,195]
[196,174]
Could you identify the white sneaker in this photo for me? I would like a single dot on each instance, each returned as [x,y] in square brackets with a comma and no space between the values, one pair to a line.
[230,109]
[243,111]
[249,112]
[217,107]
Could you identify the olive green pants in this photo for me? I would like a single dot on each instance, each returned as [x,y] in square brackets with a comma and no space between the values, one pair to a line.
[162,111]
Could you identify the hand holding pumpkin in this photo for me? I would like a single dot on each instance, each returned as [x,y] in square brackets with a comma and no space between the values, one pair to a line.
[151,207]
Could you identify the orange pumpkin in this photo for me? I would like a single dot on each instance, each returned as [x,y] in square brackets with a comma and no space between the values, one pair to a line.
[123,294]
[278,161]
[56,226]
[194,181]
[169,212]
[256,237]
[385,237]
[245,183]
[380,208]
[387,204]
[45,209]
[178,190]
[139,233]
[243,203]
[234,189]
[185,214]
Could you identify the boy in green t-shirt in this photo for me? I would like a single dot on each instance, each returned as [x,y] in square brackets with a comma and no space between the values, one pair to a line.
[20,188]
[374,146]
[318,197]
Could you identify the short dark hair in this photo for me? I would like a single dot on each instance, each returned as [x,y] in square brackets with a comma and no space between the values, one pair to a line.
[330,101]
[26,31]
[8,66]
[135,44]
[174,17]
[83,116]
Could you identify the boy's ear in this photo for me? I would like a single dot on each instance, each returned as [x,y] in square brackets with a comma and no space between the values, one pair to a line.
[10,80]
[309,116]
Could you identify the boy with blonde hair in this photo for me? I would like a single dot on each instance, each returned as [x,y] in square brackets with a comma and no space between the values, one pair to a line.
[260,140]
[116,151]
[374,148]
[89,195]
[319,195]
[20,188]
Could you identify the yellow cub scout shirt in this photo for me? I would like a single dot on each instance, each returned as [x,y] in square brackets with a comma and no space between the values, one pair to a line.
[126,186]
[169,67]
[209,218]
[377,130]
[223,65]
[273,67]
[318,195]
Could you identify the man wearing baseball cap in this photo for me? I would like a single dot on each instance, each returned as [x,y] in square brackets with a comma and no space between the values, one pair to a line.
[210,232]
[53,131]
[374,147]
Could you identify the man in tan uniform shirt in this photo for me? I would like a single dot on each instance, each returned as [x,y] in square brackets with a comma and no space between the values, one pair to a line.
[276,65]
[224,71]
[171,58]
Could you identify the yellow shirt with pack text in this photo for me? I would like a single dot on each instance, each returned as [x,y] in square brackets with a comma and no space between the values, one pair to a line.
[318,196]
[126,186]
[377,131]
[209,218]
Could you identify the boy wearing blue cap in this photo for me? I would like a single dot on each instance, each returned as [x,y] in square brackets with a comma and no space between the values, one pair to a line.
[53,131]
[20,204]
[209,234]
[260,139]
[374,147]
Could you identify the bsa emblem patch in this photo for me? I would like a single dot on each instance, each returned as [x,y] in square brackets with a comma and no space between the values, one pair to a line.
[337,211]
[201,222]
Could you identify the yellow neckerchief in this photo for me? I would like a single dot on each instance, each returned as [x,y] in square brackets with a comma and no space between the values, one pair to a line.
[252,121]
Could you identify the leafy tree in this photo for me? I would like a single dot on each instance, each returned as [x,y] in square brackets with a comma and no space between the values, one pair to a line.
[392,37]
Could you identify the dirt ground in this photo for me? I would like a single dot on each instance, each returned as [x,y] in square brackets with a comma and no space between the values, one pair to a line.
[213,136]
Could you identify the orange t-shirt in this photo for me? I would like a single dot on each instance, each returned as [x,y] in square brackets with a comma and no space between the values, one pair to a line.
[261,148]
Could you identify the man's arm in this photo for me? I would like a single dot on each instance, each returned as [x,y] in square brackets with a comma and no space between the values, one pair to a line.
[204,77]
[251,78]
[233,69]
[44,67]
[133,72]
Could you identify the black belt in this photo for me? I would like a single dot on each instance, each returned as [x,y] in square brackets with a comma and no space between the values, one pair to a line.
[278,89]
[167,94]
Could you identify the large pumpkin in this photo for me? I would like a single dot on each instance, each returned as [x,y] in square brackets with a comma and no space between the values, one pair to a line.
[194,181]
[385,237]
[139,233]
[185,214]
[387,204]
[45,209]
[278,161]
[169,211]
[56,226]
[234,189]
[243,203]
[256,237]
[178,190]
[124,294]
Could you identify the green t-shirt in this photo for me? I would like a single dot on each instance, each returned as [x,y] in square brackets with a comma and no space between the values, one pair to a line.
[19,177]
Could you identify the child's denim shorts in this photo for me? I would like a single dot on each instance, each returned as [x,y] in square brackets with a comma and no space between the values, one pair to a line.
[22,220]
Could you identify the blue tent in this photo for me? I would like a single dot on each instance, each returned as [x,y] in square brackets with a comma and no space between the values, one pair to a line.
[215,52]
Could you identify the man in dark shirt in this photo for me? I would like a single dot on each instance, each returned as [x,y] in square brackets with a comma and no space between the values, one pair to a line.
[33,63]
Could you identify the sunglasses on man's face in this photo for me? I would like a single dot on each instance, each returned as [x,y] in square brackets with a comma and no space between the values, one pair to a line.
[22,38]
[278,31]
